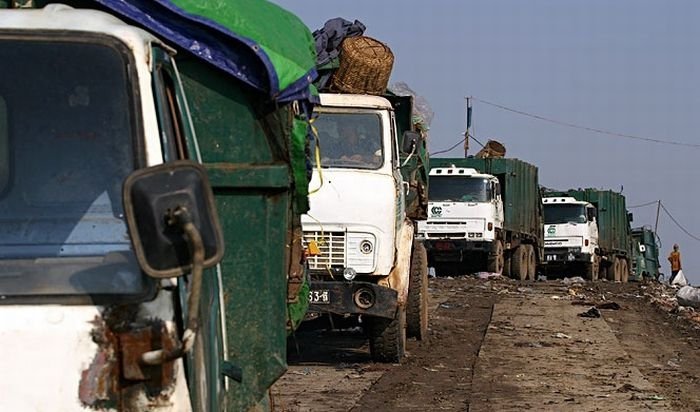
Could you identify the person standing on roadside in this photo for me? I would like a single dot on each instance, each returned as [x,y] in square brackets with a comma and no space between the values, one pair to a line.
[675,259]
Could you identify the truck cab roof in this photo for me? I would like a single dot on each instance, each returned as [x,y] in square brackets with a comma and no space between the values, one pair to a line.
[355,100]
[563,200]
[60,17]
[458,171]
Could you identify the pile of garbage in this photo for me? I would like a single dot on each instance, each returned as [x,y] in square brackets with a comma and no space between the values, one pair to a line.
[682,301]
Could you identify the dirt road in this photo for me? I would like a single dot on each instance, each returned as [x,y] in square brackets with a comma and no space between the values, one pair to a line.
[500,345]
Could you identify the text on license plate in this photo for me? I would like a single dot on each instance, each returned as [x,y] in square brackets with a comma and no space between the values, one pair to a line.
[320,296]
[551,258]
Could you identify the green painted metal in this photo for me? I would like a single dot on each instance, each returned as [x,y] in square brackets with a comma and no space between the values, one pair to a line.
[646,263]
[246,148]
[522,202]
[613,223]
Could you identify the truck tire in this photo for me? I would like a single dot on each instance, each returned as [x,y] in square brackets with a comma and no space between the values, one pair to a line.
[624,271]
[417,305]
[518,263]
[614,270]
[507,260]
[387,337]
[531,262]
[591,270]
[495,259]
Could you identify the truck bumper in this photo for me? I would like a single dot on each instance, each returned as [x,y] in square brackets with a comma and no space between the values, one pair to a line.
[561,257]
[453,250]
[355,298]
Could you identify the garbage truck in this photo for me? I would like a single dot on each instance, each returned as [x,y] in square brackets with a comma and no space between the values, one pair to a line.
[364,261]
[484,214]
[645,254]
[587,233]
[152,177]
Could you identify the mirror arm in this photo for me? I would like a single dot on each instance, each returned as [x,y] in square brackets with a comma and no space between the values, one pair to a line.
[182,218]
[410,155]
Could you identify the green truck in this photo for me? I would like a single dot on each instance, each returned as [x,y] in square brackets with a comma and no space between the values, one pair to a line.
[121,317]
[645,254]
[483,215]
[587,233]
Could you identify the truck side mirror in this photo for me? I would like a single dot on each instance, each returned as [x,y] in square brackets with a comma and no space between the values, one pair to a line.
[158,202]
[591,214]
[630,216]
[410,141]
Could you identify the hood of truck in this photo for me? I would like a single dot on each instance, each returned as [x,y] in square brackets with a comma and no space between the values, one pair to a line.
[45,350]
[54,359]
[357,201]
[468,211]
[566,234]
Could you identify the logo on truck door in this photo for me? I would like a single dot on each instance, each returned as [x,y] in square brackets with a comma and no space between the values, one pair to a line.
[436,211]
[551,230]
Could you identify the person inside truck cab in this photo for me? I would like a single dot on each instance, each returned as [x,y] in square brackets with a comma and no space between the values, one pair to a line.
[354,145]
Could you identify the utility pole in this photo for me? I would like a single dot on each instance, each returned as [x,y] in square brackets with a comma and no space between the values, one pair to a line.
[469,125]
[658,209]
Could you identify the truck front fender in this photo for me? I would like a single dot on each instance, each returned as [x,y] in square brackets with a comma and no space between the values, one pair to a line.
[399,275]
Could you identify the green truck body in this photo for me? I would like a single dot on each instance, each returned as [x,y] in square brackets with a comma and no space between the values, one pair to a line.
[254,150]
[522,202]
[645,254]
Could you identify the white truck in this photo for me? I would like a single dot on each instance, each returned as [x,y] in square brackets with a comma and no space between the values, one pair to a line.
[570,237]
[587,233]
[361,243]
[483,214]
[465,207]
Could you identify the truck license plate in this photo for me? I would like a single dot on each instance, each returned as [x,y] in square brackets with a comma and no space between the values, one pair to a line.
[551,258]
[322,297]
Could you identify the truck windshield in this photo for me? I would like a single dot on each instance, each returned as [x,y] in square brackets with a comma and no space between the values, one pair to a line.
[67,139]
[350,140]
[459,189]
[564,213]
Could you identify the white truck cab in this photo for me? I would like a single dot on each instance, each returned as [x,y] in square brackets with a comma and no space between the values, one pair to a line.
[465,206]
[570,236]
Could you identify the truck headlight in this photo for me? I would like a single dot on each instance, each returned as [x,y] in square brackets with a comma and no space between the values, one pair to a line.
[366,247]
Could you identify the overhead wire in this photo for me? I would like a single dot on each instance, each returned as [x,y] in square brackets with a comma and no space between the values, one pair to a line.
[643,204]
[587,128]
[678,223]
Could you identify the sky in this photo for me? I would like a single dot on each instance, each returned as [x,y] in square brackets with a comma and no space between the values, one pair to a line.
[630,67]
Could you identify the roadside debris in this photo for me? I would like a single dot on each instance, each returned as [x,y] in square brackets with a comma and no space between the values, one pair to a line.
[593,312]
[608,305]
[689,296]
[560,335]
[573,281]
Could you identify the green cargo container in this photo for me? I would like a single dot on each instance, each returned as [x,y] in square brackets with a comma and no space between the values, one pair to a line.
[522,202]
[645,252]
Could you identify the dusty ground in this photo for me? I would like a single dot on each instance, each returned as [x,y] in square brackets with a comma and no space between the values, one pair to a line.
[500,345]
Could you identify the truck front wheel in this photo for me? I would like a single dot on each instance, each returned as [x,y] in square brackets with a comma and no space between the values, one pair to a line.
[624,271]
[495,258]
[591,269]
[417,305]
[531,262]
[387,337]
[518,263]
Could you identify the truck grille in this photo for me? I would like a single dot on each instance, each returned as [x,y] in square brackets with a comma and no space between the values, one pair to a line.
[332,246]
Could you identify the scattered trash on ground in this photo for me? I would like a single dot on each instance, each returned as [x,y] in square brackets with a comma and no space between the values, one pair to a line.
[689,296]
[487,275]
[590,313]
[560,335]
[573,281]
[608,305]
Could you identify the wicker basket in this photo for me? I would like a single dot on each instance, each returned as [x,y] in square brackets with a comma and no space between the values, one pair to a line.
[365,66]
